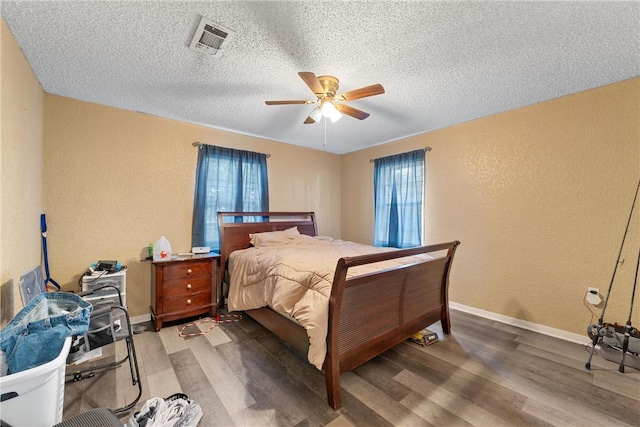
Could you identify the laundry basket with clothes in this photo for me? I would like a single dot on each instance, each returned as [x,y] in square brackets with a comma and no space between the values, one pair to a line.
[37,333]
[35,344]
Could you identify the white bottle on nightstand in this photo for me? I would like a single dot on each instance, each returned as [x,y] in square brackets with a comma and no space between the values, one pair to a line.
[162,250]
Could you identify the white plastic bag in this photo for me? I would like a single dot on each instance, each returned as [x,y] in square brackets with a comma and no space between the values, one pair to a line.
[176,410]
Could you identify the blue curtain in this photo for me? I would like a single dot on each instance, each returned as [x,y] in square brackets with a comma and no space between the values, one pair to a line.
[398,183]
[227,180]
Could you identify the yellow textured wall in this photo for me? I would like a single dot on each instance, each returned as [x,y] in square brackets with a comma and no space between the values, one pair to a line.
[21,112]
[539,198]
[117,180]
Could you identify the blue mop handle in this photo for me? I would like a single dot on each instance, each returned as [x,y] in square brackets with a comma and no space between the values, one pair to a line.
[43,230]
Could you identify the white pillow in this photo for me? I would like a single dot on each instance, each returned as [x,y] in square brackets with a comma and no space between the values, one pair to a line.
[273,237]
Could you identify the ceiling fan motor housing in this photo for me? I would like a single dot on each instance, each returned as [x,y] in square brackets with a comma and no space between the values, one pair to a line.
[330,85]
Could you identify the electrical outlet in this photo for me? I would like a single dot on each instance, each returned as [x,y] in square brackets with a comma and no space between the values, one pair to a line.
[592,296]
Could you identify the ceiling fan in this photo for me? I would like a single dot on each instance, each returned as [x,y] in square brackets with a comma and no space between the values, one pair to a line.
[328,104]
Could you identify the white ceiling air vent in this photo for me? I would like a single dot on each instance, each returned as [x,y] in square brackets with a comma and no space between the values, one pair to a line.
[210,38]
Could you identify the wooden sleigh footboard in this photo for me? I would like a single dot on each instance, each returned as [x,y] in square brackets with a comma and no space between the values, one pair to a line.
[369,313]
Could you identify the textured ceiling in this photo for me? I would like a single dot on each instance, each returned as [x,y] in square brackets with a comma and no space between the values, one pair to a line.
[441,63]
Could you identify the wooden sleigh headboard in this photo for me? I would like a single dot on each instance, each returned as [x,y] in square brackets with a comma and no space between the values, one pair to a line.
[235,235]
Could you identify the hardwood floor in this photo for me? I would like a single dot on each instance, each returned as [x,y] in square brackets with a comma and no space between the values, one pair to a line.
[485,374]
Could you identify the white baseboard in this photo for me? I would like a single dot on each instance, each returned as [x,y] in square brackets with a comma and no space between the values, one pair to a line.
[524,324]
[140,319]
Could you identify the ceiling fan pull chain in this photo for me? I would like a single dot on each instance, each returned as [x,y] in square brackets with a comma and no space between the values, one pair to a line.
[325,133]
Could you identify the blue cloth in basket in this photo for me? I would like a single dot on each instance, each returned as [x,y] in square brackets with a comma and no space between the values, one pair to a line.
[37,333]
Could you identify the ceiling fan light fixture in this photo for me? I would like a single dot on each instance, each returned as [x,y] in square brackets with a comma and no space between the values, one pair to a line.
[329,111]
[316,114]
[335,117]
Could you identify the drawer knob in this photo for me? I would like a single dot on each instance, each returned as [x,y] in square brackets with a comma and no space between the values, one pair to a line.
[189,271]
[188,301]
[188,285]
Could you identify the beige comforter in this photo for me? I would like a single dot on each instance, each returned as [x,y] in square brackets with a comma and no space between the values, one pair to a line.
[294,277]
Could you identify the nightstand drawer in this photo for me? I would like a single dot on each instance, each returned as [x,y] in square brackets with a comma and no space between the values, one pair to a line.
[189,286]
[189,302]
[181,271]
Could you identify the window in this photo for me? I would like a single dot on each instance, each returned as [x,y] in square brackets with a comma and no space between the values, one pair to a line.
[227,180]
[398,185]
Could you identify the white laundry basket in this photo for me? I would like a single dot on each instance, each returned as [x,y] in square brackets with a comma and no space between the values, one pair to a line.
[35,397]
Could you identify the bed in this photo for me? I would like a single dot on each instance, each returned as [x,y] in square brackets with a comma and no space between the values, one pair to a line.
[367,313]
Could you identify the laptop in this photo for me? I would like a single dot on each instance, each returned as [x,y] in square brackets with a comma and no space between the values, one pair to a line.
[31,284]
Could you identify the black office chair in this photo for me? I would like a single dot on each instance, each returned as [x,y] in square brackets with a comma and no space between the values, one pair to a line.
[99,417]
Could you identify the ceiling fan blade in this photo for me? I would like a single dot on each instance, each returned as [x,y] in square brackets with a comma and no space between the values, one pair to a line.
[287,102]
[314,117]
[353,112]
[312,81]
[363,92]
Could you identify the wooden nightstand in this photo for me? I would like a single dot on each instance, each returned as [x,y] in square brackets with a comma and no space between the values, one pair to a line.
[183,288]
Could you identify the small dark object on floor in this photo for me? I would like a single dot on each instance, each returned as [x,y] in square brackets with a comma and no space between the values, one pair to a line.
[138,329]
